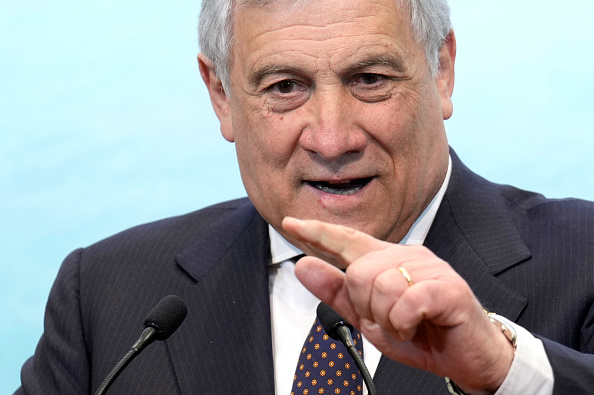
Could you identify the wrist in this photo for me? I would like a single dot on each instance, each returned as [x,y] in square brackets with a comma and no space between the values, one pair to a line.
[504,362]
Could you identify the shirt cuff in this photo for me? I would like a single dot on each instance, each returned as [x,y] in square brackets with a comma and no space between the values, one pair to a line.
[530,371]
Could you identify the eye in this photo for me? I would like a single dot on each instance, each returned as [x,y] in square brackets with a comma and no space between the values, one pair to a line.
[370,78]
[372,87]
[286,95]
[285,86]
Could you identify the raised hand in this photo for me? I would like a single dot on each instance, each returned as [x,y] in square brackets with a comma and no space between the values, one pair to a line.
[409,303]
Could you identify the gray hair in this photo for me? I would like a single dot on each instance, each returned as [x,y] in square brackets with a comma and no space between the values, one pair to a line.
[430,23]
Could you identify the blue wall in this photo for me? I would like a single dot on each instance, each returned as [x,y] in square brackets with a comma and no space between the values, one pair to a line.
[104,124]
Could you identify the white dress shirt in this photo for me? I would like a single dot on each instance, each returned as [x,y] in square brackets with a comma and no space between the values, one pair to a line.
[293,310]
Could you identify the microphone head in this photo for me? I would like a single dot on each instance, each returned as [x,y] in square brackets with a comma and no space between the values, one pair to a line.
[331,320]
[166,316]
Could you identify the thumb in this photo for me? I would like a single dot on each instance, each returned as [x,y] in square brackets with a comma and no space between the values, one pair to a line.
[327,283]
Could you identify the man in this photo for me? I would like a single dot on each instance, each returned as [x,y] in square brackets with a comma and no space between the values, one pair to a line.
[336,108]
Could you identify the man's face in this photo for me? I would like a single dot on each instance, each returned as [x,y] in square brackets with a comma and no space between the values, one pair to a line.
[335,115]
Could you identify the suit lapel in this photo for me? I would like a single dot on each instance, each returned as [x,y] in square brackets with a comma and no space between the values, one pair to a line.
[225,344]
[447,241]
[474,233]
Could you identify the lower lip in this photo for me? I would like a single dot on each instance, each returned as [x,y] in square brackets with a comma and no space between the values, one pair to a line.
[327,199]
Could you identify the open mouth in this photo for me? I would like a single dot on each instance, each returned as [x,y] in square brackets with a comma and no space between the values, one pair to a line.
[349,187]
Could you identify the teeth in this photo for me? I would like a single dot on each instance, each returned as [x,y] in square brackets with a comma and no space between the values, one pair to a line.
[349,187]
[337,191]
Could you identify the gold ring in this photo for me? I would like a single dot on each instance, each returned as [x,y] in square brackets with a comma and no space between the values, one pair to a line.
[406,276]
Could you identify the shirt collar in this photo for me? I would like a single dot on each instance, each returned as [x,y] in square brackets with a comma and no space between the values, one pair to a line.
[282,250]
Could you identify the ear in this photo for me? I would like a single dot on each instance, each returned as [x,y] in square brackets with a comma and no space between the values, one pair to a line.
[445,76]
[218,97]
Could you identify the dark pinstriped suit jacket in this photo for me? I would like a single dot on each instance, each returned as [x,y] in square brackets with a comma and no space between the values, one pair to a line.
[525,257]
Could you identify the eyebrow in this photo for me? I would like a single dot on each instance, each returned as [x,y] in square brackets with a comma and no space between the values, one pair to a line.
[379,60]
[256,78]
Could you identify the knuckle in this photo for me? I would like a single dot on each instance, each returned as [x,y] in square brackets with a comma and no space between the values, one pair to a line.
[385,282]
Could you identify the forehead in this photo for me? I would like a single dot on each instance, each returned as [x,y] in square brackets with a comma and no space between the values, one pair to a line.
[329,29]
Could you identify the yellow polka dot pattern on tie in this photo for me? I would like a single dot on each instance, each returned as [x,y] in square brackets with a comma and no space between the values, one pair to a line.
[326,367]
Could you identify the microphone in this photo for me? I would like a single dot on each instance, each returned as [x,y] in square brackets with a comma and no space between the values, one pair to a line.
[338,329]
[159,324]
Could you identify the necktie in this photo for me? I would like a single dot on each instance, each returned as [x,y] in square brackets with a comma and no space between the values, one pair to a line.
[325,366]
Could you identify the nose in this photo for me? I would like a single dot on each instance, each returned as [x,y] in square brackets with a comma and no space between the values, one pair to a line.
[332,132]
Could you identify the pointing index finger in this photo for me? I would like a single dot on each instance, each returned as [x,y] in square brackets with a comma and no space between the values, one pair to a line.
[343,244]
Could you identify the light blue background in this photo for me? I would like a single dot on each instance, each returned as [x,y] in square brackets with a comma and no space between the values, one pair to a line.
[104,124]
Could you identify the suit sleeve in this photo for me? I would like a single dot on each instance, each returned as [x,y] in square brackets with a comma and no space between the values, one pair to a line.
[60,364]
[573,369]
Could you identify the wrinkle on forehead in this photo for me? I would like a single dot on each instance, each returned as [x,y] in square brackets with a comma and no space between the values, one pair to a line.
[317,25]
[312,20]
[277,5]
[323,16]
[290,5]
[285,8]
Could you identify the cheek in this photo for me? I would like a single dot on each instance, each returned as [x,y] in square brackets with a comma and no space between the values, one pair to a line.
[265,146]
[414,119]
[393,125]
[264,143]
